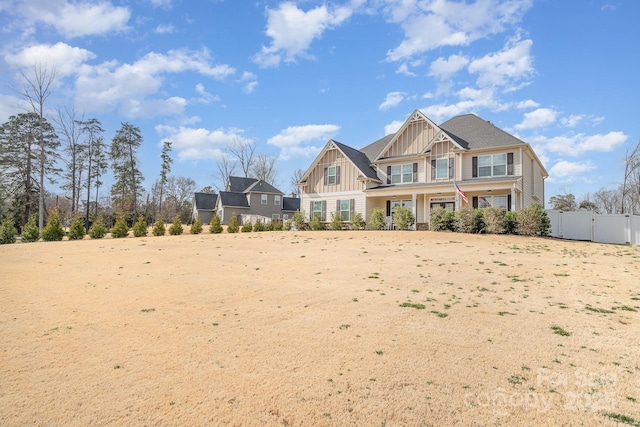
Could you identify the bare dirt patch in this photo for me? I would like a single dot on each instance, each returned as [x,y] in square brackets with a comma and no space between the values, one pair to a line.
[319,328]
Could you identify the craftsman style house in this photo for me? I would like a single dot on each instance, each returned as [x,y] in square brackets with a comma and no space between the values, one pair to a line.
[254,200]
[419,167]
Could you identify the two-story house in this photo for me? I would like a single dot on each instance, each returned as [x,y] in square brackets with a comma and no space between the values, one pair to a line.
[419,166]
[252,200]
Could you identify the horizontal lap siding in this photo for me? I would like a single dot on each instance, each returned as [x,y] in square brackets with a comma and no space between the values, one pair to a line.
[331,202]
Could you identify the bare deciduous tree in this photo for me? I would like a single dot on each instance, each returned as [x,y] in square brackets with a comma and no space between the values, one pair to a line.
[226,167]
[264,168]
[630,202]
[244,152]
[296,176]
[75,154]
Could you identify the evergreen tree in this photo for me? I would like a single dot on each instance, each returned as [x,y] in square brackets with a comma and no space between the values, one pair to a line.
[53,231]
[30,232]
[140,227]
[158,228]
[214,226]
[120,228]
[176,228]
[7,232]
[233,224]
[125,165]
[77,230]
[98,230]
[95,158]
[165,168]
[196,227]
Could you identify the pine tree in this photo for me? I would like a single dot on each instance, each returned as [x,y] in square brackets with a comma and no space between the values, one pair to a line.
[140,227]
[120,229]
[30,232]
[196,227]
[214,226]
[158,228]
[53,231]
[176,228]
[7,232]
[98,230]
[233,224]
[77,230]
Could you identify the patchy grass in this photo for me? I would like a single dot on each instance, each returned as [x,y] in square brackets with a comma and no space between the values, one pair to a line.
[558,330]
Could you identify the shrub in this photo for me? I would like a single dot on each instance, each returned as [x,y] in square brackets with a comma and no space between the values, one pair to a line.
[233,224]
[247,227]
[158,228]
[76,230]
[30,232]
[98,229]
[336,221]
[120,229]
[259,226]
[7,232]
[533,221]
[511,222]
[298,221]
[277,226]
[377,219]
[494,220]
[287,225]
[214,226]
[53,231]
[140,227]
[316,223]
[357,222]
[464,220]
[403,218]
[196,227]
[440,220]
[176,227]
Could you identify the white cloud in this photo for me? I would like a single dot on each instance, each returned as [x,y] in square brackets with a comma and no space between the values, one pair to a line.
[578,144]
[392,99]
[112,85]
[61,57]
[296,140]
[529,103]
[404,69]
[393,127]
[205,97]
[572,120]
[79,18]
[292,31]
[165,29]
[200,143]
[470,100]
[503,68]
[568,171]
[249,80]
[432,24]
[443,68]
[538,118]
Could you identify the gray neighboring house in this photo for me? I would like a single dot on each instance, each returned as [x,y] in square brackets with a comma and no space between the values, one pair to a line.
[204,205]
[252,199]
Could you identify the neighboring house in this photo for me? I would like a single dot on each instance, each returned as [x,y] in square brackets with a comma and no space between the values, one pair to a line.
[252,200]
[204,205]
[417,167]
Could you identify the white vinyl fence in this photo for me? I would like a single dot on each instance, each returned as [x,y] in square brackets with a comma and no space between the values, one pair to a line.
[602,228]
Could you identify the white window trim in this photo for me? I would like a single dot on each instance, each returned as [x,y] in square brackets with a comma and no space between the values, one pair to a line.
[341,211]
[493,165]
[402,173]
[264,199]
[490,199]
[443,170]
[332,176]
[276,200]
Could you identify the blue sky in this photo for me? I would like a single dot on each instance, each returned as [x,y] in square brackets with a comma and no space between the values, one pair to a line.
[290,75]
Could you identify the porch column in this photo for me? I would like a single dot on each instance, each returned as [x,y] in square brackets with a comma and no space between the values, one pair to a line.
[414,204]
[513,197]
[424,208]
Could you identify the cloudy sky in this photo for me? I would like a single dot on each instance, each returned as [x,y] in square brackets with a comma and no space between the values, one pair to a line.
[289,75]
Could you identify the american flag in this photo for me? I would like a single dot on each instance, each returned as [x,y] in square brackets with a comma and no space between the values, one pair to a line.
[460,192]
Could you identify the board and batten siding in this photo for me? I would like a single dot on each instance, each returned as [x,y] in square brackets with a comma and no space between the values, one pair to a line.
[348,174]
[331,200]
[413,140]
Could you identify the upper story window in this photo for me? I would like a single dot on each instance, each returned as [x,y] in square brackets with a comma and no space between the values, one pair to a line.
[402,174]
[263,199]
[276,199]
[493,165]
[332,175]
[442,168]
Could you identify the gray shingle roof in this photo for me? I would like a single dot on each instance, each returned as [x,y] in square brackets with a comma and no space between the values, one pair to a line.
[373,150]
[262,187]
[234,199]
[359,159]
[240,183]
[472,132]
[290,204]
[206,201]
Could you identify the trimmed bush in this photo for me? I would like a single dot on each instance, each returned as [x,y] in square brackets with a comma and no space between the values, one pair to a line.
[233,224]
[140,227]
[214,226]
[357,222]
[511,222]
[533,221]
[98,230]
[403,218]
[176,227]
[277,226]
[7,232]
[298,221]
[53,231]
[440,220]
[464,220]
[336,221]
[246,227]
[120,229]
[259,226]
[494,220]
[158,228]
[316,223]
[196,227]
[377,219]
[76,230]
[30,232]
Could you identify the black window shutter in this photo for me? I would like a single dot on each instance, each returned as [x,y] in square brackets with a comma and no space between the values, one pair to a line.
[324,210]
[509,163]
[388,207]
[474,166]
[352,207]
[337,175]
[475,202]
[326,176]
[310,211]
[337,206]
[433,169]
[388,174]
[451,167]
[415,172]
[509,202]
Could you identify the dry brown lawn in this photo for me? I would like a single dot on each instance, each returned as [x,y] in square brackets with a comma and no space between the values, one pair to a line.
[319,328]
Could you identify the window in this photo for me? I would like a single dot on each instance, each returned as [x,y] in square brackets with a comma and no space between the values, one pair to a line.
[316,209]
[401,174]
[332,175]
[275,216]
[263,199]
[442,168]
[492,201]
[493,165]
[344,210]
[276,199]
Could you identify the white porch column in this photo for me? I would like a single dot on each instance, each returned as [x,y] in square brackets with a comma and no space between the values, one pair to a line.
[513,197]
[414,208]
